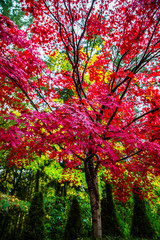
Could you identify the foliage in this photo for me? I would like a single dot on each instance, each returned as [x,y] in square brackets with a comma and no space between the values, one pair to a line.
[73,229]
[12,212]
[124,212]
[154,211]
[97,75]
[8,202]
[55,208]
[141,226]
[12,9]
[34,226]
[96,106]
[110,225]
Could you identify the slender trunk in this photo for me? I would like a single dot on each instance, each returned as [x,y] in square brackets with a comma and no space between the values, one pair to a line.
[37,181]
[92,182]
[16,182]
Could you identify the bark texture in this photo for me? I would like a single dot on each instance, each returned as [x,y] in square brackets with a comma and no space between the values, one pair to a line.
[92,182]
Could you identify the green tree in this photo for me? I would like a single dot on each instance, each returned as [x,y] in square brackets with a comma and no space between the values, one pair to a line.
[34,227]
[141,226]
[110,225]
[73,226]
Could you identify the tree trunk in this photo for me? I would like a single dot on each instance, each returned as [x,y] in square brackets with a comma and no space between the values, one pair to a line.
[92,183]
[37,181]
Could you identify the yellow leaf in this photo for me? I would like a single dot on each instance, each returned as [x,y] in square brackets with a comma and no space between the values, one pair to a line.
[17,113]
[43,130]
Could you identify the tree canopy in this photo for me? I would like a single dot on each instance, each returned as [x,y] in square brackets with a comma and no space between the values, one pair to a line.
[82,85]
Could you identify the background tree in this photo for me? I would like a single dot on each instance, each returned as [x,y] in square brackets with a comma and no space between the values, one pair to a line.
[73,228]
[110,225]
[141,226]
[34,227]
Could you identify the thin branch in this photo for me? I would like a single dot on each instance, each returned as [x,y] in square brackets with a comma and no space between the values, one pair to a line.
[42,97]
[116,110]
[135,153]
[84,28]
[25,93]
[141,116]
[149,42]
[83,159]
[124,54]
[131,155]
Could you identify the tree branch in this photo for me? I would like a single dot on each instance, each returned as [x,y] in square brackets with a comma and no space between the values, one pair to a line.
[141,116]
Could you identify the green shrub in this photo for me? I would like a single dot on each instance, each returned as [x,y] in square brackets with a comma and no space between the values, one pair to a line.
[74,224]
[12,212]
[34,226]
[55,216]
[141,226]
[110,225]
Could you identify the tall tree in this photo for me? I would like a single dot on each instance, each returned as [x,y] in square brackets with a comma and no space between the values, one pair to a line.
[113,68]
[141,226]
[110,225]
[74,225]
[34,226]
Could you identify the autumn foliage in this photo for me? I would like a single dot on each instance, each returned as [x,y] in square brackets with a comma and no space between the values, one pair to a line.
[111,116]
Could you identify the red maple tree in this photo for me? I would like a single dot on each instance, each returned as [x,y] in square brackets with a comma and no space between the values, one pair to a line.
[113,118]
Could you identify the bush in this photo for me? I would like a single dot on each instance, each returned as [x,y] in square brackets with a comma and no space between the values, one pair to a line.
[73,226]
[34,226]
[141,226]
[110,225]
